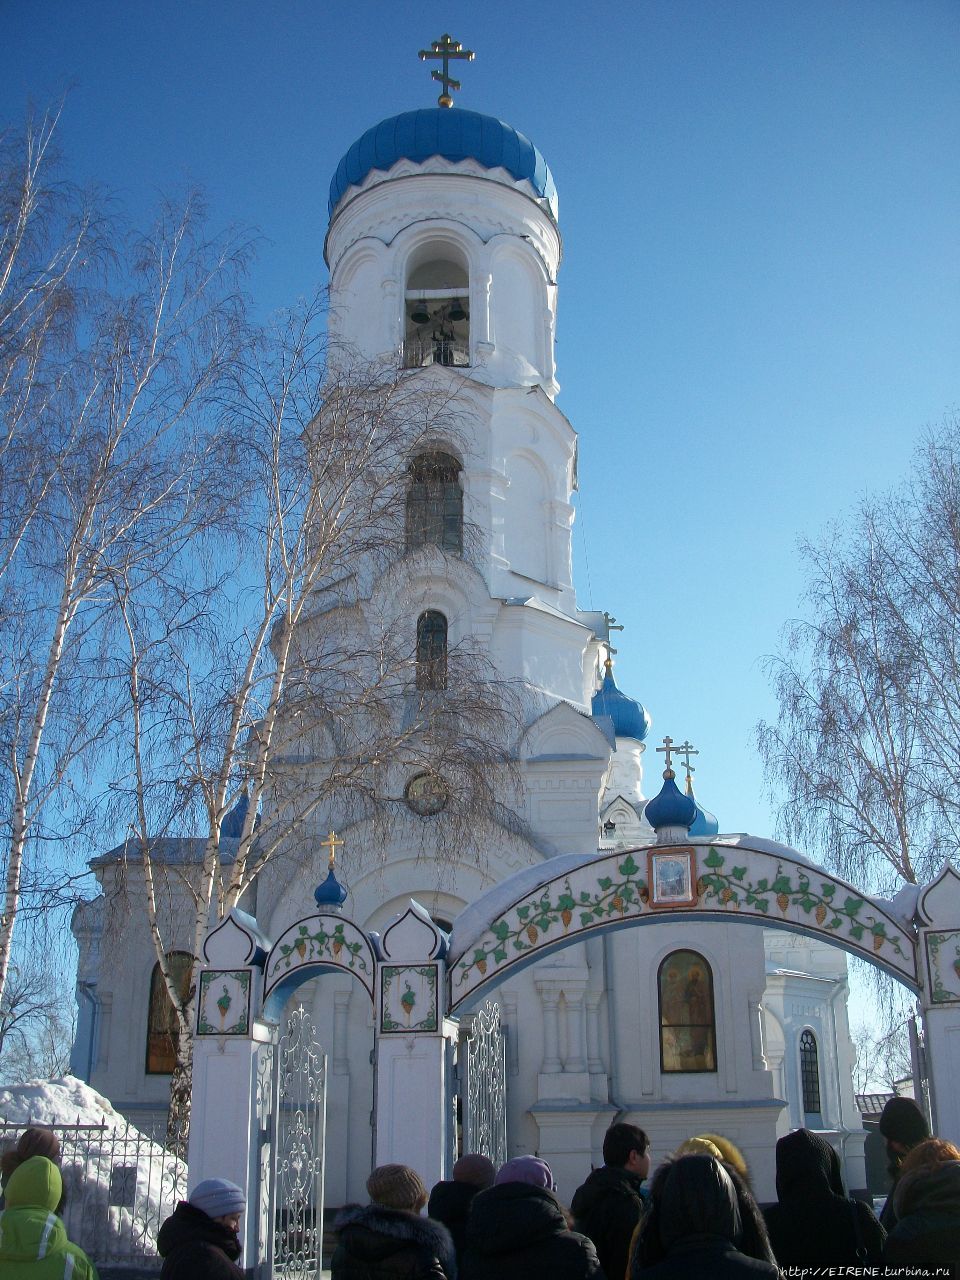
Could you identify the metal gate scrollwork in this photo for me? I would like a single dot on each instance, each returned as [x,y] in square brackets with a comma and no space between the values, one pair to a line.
[299,1124]
[484,1086]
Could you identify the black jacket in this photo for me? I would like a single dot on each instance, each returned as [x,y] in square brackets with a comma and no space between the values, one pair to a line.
[450,1203]
[814,1224]
[927,1233]
[194,1247]
[377,1243]
[519,1232]
[607,1208]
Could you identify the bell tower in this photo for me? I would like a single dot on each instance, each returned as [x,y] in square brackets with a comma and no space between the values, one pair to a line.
[443,248]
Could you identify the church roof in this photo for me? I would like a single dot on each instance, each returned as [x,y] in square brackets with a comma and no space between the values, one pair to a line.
[630,718]
[453,134]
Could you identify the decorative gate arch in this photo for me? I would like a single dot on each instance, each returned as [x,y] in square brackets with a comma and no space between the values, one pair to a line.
[915,938]
[755,881]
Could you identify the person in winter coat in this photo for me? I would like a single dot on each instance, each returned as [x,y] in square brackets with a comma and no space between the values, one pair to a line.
[517,1230]
[814,1224]
[693,1228]
[903,1126]
[199,1240]
[927,1205]
[387,1239]
[33,1240]
[450,1202]
[608,1206]
[34,1141]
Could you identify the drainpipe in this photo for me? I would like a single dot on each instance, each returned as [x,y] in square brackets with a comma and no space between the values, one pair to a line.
[613,1088]
[842,1129]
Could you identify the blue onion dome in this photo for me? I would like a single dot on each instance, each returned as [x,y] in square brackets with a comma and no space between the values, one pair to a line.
[232,824]
[453,134]
[705,823]
[671,808]
[330,893]
[630,718]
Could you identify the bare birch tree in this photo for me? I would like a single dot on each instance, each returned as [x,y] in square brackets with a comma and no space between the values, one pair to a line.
[104,426]
[866,750]
[252,673]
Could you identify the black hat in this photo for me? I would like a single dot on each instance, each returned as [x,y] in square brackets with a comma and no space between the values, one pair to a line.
[902,1121]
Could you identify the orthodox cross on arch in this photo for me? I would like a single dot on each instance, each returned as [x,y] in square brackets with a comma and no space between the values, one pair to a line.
[445,48]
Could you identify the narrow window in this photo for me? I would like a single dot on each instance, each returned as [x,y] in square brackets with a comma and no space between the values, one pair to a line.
[434,503]
[162,1030]
[431,650]
[688,1038]
[810,1073]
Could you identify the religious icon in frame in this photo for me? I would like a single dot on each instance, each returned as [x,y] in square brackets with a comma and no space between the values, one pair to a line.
[672,877]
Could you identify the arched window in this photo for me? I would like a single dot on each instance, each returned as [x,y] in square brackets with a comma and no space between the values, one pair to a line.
[431,650]
[434,503]
[688,1037]
[162,1031]
[810,1073]
[437,310]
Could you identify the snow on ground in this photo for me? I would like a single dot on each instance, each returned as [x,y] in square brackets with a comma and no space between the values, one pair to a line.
[119,1184]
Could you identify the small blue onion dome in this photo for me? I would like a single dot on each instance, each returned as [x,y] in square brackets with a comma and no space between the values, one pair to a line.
[331,893]
[671,808]
[453,134]
[705,823]
[630,718]
[232,824]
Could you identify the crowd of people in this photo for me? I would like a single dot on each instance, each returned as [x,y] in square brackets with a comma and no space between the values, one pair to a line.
[697,1218]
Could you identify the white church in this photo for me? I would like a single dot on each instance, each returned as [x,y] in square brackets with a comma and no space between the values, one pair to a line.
[444,247]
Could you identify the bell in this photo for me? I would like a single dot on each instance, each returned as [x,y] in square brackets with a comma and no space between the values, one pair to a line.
[420,314]
[457,312]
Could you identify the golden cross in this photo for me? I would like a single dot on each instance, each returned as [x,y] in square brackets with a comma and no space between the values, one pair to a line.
[331,843]
[667,749]
[445,49]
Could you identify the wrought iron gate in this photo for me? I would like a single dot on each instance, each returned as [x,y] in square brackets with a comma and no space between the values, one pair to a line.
[483,1084]
[291,1109]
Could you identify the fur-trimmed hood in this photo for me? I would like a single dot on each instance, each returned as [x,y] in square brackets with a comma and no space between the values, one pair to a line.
[373,1232]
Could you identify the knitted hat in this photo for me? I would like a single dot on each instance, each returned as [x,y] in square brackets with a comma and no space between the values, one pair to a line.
[476,1170]
[729,1153]
[529,1169]
[699,1147]
[397,1186]
[217,1197]
[902,1121]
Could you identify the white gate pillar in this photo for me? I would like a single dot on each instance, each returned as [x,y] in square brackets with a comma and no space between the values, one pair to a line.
[412,1062]
[938,913]
[228,1059]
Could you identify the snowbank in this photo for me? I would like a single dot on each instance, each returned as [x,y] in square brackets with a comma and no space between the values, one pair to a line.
[119,1184]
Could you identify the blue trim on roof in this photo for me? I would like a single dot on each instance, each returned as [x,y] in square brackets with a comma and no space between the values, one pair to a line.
[452,133]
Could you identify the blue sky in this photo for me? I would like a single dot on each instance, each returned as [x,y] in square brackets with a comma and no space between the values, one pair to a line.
[758,304]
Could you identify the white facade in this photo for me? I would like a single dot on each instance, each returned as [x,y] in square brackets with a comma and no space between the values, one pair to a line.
[584,1026]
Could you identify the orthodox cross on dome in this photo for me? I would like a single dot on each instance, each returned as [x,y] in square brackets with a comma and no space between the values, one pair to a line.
[668,749]
[445,48]
[612,625]
[685,750]
[332,843]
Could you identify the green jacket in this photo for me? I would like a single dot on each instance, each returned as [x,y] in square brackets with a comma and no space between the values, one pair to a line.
[33,1240]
